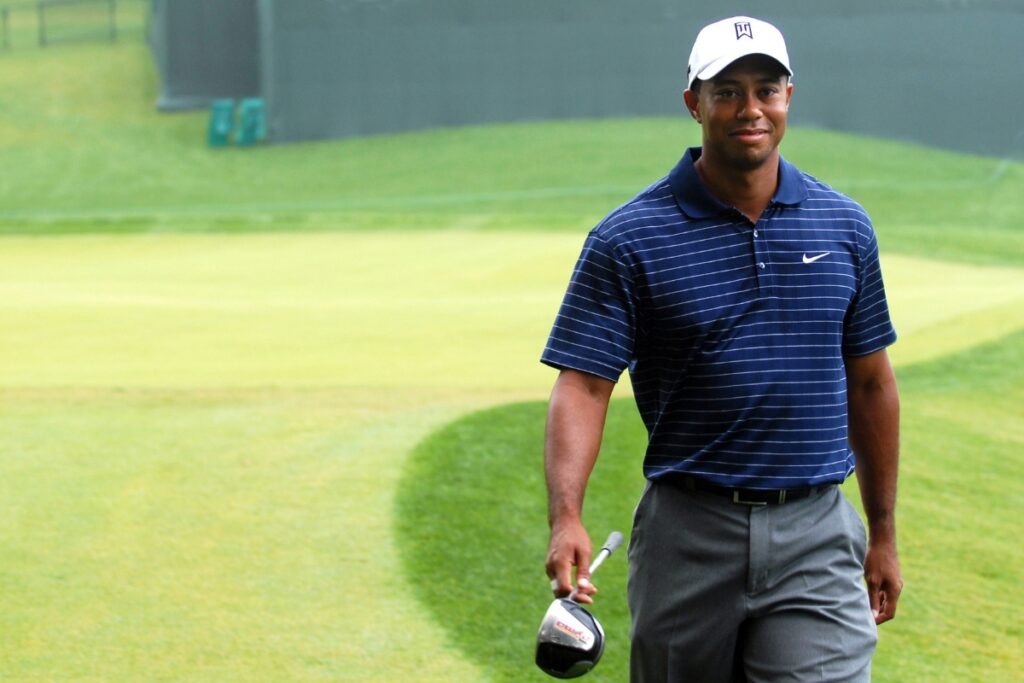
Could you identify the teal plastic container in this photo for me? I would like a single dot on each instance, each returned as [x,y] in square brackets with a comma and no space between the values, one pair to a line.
[252,122]
[222,123]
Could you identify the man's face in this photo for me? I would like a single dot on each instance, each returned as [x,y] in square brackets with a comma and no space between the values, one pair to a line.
[743,111]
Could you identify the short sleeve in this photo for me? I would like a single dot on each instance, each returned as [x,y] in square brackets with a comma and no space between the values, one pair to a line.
[868,327]
[595,328]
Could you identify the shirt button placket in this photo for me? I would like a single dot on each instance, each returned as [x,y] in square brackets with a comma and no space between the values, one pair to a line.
[760,262]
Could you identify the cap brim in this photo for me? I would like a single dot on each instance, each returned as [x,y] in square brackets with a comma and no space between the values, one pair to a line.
[716,67]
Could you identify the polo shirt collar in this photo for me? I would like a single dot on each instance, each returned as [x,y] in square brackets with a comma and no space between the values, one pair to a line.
[696,202]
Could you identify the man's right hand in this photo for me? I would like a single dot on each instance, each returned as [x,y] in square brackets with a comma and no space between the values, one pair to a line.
[570,547]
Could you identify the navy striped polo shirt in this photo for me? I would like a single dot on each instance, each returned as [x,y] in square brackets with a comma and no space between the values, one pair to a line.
[734,333]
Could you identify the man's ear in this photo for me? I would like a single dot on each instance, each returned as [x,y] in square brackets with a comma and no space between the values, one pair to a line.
[692,101]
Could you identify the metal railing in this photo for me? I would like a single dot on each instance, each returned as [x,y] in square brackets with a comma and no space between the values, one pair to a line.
[44,23]
[72,24]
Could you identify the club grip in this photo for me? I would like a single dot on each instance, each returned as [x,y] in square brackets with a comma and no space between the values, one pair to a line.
[613,542]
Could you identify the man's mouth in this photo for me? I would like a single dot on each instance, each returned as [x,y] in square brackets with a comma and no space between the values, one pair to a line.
[749,134]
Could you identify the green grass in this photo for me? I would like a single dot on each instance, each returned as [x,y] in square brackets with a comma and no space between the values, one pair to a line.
[210,535]
[173,402]
[95,156]
[471,517]
[215,365]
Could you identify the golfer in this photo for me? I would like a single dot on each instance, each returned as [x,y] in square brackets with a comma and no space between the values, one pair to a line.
[746,300]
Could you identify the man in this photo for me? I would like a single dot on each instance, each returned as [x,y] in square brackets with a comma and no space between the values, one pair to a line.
[745,297]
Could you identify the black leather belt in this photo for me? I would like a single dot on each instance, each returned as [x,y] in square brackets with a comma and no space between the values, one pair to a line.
[747,496]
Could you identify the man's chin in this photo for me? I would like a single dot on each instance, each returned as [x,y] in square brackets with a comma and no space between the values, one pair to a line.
[752,159]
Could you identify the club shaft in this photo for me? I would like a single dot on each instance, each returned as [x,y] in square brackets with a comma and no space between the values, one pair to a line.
[601,557]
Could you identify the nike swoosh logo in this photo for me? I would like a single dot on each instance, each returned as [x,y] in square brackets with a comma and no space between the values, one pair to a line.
[812,259]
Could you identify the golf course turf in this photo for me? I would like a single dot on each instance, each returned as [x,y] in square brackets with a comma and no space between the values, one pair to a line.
[274,414]
[472,513]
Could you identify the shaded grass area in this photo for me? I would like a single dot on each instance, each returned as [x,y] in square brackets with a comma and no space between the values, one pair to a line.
[961,502]
[471,518]
[471,515]
[91,154]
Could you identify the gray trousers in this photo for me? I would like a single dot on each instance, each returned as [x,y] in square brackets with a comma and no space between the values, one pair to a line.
[726,593]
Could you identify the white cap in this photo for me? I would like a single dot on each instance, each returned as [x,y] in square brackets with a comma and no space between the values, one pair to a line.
[720,44]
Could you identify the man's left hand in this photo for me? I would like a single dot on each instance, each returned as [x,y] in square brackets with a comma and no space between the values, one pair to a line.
[882,573]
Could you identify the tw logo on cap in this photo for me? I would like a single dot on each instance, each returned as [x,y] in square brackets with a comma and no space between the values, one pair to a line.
[743,28]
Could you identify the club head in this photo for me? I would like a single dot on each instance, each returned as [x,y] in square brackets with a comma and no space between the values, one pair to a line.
[570,640]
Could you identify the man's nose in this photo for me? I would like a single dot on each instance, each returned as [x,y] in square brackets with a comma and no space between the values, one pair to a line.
[750,107]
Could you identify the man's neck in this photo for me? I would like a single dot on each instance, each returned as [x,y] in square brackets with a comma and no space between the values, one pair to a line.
[748,190]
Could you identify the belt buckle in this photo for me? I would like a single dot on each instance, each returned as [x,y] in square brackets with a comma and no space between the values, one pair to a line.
[757,503]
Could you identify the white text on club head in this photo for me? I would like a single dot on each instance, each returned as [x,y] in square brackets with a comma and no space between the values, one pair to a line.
[567,629]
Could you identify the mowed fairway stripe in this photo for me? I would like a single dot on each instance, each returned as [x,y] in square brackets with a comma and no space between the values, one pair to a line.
[941,308]
[394,310]
[402,309]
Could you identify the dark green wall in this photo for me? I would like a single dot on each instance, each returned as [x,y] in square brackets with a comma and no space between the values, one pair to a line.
[204,49]
[940,72]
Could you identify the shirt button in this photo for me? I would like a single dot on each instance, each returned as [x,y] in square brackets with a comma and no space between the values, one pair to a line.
[761,265]
[755,233]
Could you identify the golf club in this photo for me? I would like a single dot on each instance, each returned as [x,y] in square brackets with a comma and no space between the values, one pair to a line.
[570,640]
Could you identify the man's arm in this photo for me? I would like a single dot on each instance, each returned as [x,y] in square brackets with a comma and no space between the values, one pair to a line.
[576,415]
[874,413]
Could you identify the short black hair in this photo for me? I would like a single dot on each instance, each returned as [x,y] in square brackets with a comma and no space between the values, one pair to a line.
[695,86]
